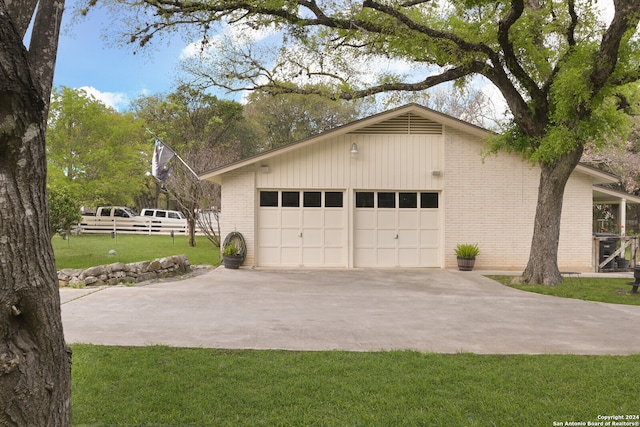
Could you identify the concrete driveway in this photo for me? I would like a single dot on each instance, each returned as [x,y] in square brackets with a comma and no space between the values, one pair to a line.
[358,310]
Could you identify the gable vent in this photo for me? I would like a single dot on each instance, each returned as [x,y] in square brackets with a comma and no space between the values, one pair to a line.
[406,124]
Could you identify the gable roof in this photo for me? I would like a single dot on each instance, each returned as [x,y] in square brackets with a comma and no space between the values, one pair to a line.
[411,118]
[387,122]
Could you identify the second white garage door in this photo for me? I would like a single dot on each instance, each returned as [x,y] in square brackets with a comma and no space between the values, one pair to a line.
[396,229]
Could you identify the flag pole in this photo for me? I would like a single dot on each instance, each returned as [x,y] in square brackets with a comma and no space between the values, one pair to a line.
[174,153]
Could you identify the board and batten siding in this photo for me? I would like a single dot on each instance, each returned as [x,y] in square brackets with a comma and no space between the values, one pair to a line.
[384,162]
[492,201]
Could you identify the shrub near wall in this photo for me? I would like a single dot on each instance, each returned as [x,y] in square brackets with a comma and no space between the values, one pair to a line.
[120,273]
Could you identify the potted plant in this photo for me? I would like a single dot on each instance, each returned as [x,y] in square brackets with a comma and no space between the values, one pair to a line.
[230,257]
[467,253]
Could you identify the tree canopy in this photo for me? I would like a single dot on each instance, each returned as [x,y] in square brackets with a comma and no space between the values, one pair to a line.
[564,73]
[287,118]
[95,154]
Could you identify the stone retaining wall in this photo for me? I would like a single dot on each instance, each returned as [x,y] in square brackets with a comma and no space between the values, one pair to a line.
[120,273]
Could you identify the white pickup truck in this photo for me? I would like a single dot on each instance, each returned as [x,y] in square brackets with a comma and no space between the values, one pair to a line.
[120,219]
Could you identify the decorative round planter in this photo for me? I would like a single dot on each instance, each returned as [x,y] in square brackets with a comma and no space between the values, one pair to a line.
[232,261]
[466,264]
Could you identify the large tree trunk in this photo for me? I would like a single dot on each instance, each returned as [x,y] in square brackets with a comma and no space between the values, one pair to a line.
[35,365]
[542,267]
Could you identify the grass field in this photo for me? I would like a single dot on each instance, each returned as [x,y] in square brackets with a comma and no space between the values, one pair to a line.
[89,250]
[206,387]
[585,288]
[157,385]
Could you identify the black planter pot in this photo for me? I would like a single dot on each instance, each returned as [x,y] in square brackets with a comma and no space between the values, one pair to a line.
[232,261]
[623,264]
[466,264]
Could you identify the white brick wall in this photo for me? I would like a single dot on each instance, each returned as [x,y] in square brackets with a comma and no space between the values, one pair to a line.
[238,208]
[493,203]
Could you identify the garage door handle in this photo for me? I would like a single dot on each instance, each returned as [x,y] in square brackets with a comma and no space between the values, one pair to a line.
[396,236]
[300,235]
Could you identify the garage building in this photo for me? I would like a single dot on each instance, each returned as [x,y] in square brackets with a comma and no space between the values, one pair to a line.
[397,190]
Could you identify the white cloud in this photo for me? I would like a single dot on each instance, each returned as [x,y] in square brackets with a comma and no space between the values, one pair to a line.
[239,33]
[114,100]
[191,50]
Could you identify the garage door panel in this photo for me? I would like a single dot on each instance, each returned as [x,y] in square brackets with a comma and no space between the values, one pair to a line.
[290,217]
[408,219]
[429,219]
[312,256]
[407,235]
[290,237]
[270,256]
[386,219]
[290,256]
[269,237]
[365,219]
[269,218]
[333,238]
[429,237]
[334,218]
[429,257]
[386,257]
[386,238]
[312,218]
[364,256]
[365,238]
[408,257]
[312,238]
[408,238]
[334,257]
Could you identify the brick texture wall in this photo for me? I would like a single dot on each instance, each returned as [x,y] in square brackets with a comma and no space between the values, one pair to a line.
[238,208]
[492,201]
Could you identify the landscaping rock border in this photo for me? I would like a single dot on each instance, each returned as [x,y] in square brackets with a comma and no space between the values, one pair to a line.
[120,273]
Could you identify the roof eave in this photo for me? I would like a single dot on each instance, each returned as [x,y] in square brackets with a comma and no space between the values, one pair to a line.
[599,177]
[607,195]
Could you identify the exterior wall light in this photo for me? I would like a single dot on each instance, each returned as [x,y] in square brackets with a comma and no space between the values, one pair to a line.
[354,149]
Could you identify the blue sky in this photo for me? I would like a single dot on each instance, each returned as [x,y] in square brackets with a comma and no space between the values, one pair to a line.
[116,75]
[113,73]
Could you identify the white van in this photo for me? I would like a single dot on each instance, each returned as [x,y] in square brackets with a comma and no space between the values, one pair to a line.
[162,220]
[162,213]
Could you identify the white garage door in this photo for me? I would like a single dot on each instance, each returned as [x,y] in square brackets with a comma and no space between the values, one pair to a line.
[396,229]
[301,228]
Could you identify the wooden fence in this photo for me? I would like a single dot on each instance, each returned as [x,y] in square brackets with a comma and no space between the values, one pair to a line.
[610,253]
[140,225]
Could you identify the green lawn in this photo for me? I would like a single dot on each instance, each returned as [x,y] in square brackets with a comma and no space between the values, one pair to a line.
[159,385]
[585,288]
[89,250]
[206,387]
